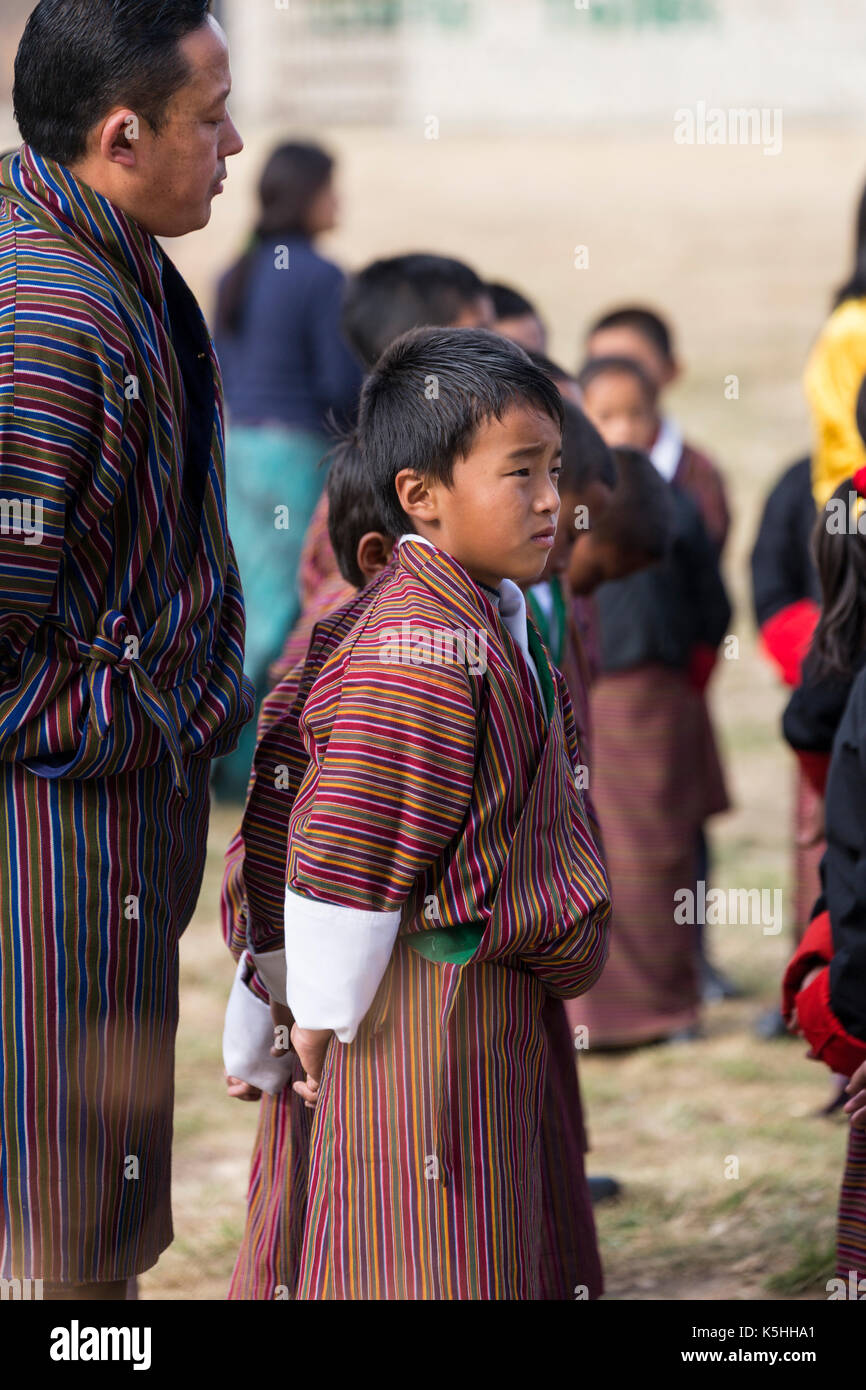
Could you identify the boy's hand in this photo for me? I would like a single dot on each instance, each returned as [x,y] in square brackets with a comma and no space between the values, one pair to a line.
[310,1044]
[855,1108]
[241,1090]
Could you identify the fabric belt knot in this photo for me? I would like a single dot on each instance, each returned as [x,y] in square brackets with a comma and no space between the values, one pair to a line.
[115,649]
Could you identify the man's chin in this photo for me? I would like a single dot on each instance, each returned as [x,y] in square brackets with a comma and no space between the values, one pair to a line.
[184,223]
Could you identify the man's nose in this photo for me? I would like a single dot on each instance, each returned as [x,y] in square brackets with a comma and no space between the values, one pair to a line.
[231,142]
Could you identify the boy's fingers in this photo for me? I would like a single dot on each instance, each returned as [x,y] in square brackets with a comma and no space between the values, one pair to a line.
[307,1091]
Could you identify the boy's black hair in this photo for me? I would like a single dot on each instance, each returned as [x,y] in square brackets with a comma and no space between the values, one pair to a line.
[586,458]
[354,508]
[840,559]
[79,58]
[391,296]
[509,303]
[640,517]
[424,401]
[600,366]
[647,322]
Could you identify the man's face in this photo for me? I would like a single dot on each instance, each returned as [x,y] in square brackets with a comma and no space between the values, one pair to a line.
[618,405]
[498,517]
[167,181]
[186,162]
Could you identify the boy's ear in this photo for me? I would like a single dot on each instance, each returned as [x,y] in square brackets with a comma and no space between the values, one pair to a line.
[414,495]
[374,551]
[673,372]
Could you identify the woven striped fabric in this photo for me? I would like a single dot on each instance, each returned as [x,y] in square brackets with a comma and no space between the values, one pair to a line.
[647,736]
[851,1225]
[404,755]
[254,879]
[268,1262]
[269,1259]
[121,658]
[428,785]
[121,633]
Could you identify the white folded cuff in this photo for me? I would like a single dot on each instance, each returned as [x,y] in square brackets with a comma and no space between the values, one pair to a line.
[335,960]
[248,1037]
[271,970]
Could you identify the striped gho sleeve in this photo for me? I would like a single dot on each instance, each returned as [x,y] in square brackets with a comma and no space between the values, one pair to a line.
[393,750]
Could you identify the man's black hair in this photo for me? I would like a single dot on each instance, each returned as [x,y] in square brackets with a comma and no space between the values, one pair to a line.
[640,517]
[601,366]
[391,296]
[424,401]
[586,459]
[647,322]
[354,508]
[509,303]
[78,59]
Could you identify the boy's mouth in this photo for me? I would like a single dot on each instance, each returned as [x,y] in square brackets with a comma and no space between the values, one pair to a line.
[546,537]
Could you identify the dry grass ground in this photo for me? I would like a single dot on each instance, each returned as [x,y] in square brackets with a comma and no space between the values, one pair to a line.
[742,251]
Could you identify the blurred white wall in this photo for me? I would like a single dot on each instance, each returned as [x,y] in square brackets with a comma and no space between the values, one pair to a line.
[510,63]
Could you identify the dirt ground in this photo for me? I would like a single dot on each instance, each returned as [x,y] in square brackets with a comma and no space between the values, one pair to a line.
[742,251]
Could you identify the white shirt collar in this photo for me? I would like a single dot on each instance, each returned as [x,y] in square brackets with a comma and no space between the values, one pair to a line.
[668,448]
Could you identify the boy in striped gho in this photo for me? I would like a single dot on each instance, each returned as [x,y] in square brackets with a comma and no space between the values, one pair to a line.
[442,882]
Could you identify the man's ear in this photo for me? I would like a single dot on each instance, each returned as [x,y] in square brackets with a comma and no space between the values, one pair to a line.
[119,136]
[374,551]
[415,495]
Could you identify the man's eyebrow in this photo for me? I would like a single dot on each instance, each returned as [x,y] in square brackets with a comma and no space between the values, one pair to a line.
[222,95]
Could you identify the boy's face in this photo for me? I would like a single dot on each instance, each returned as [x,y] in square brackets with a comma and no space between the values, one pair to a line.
[618,406]
[525,329]
[628,342]
[498,516]
[595,562]
[579,511]
[476,313]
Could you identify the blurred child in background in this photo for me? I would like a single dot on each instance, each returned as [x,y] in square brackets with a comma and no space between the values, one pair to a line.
[627,402]
[515,317]
[786,596]
[653,785]
[824,994]
[644,336]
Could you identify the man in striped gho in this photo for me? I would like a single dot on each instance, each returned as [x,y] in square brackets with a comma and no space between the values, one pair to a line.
[121,629]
